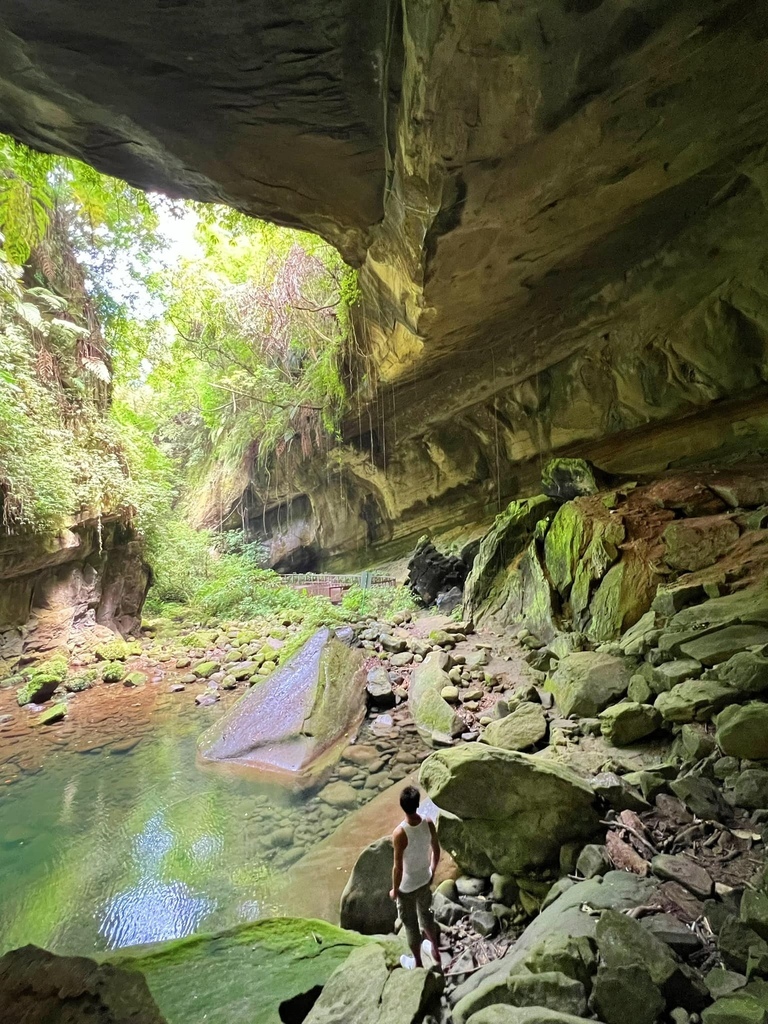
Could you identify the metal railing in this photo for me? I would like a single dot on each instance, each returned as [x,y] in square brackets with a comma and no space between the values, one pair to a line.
[333,585]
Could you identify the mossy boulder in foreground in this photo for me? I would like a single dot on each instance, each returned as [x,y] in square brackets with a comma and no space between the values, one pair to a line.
[38,987]
[244,975]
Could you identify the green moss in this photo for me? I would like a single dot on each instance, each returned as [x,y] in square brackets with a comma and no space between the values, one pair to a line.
[204,669]
[118,650]
[83,681]
[243,975]
[55,713]
[113,672]
[43,680]
[135,679]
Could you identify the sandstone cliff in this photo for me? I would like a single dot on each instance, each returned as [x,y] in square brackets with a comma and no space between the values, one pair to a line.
[558,210]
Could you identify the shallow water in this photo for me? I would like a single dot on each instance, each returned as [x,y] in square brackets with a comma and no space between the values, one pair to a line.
[102,850]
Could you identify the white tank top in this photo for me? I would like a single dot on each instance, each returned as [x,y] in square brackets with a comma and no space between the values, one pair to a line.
[416,857]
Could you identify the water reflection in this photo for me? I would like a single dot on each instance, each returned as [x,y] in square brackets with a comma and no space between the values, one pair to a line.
[100,851]
[152,911]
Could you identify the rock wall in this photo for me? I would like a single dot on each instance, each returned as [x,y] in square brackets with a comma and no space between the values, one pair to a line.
[558,210]
[54,585]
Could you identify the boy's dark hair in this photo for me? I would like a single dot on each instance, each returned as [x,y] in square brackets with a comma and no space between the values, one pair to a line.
[409,799]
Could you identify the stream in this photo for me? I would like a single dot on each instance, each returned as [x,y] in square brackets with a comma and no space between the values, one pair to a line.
[105,847]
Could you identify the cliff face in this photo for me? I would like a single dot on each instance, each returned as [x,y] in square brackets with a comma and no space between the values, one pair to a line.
[558,208]
[53,586]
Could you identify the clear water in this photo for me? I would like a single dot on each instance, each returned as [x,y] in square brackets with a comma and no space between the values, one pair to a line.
[100,850]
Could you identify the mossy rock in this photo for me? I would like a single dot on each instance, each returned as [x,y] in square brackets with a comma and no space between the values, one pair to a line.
[55,713]
[83,681]
[113,672]
[135,679]
[245,975]
[205,669]
[118,650]
[43,681]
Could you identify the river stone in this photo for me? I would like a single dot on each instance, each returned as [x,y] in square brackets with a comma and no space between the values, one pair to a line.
[430,712]
[694,701]
[593,860]
[524,727]
[627,993]
[626,723]
[563,923]
[701,796]
[365,904]
[339,794]
[735,1009]
[713,648]
[204,669]
[394,644]
[498,1014]
[378,686]
[585,683]
[670,673]
[618,793]
[298,719]
[623,942]
[361,754]
[696,543]
[549,989]
[746,672]
[48,716]
[695,742]
[507,812]
[477,659]
[402,659]
[751,789]
[686,872]
[38,987]
[743,731]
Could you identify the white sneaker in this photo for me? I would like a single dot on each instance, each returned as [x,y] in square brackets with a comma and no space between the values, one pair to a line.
[426,953]
[408,962]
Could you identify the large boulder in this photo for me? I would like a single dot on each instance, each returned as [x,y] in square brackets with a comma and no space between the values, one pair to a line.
[299,719]
[502,545]
[365,904]
[431,573]
[430,712]
[693,544]
[743,731]
[38,987]
[259,973]
[506,812]
[364,990]
[586,682]
[524,727]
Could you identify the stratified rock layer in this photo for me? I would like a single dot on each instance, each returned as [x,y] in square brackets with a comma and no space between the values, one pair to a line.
[558,209]
[295,722]
[52,587]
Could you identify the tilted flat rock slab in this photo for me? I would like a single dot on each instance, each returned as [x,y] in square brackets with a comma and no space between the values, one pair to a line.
[298,719]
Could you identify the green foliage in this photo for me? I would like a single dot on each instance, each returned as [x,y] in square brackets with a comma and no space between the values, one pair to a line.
[376,602]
